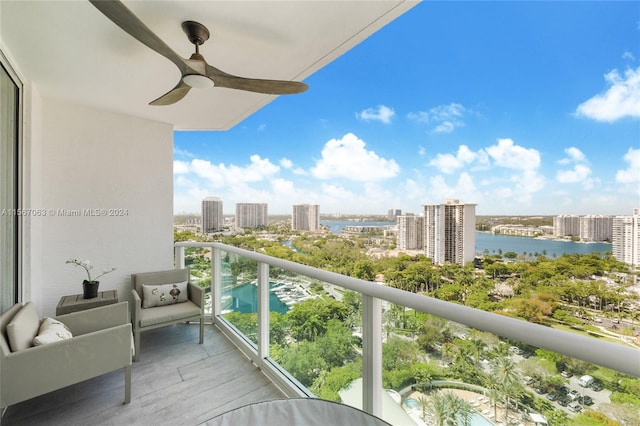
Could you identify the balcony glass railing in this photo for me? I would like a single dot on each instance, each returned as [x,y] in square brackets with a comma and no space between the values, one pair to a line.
[408,358]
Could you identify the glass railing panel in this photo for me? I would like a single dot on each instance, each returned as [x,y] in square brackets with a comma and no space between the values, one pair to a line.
[198,260]
[434,369]
[239,293]
[318,339]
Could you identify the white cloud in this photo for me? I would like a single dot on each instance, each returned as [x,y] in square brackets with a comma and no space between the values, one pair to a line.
[464,189]
[526,180]
[180,167]
[182,152]
[578,174]
[445,118]
[348,158]
[282,186]
[575,154]
[337,192]
[632,173]
[622,99]
[299,171]
[628,55]
[581,172]
[381,113]
[286,163]
[448,163]
[445,127]
[507,154]
[221,175]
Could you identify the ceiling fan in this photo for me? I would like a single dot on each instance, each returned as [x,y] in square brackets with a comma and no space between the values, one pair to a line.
[195,72]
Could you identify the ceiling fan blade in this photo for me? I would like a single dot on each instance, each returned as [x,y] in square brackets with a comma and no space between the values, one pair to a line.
[120,15]
[269,87]
[172,96]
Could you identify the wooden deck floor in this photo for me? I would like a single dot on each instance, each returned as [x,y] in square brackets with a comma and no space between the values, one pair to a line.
[176,382]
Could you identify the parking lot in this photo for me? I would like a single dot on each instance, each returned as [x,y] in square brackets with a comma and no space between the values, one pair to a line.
[575,393]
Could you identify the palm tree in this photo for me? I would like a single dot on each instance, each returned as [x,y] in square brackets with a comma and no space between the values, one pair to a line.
[477,348]
[424,406]
[504,370]
[449,351]
[448,409]
[438,409]
[494,393]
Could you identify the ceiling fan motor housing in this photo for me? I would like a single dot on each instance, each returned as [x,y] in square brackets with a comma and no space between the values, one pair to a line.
[196,32]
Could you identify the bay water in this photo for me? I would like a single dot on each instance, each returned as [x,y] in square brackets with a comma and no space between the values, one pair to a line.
[505,243]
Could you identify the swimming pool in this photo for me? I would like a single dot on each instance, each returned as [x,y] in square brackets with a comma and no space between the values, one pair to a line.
[412,403]
[479,420]
[476,418]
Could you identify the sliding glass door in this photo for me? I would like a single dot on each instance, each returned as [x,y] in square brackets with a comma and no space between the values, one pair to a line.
[9,188]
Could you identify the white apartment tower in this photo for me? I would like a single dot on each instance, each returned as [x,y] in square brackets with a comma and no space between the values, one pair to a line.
[566,226]
[212,218]
[450,232]
[251,215]
[410,232]
[626,238]
[596,228]
[305,217]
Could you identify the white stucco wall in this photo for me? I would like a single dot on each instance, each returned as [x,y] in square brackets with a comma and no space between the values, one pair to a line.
[82,158]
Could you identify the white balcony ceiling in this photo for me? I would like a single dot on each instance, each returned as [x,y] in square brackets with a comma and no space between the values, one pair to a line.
[71,51]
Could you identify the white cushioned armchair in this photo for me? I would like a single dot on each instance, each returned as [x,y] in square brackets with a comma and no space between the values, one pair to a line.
[100,343]
[163,298]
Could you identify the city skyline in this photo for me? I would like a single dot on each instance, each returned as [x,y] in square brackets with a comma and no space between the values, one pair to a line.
[521,108]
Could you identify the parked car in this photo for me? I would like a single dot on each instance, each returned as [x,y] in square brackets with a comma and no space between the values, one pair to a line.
[566,374]
[563,390]
[564,401]
[574,406]
[516,350]
[586,381]
[573,395]
[527,380]
[585,400]
[552,396]
[541,390]
[596,386]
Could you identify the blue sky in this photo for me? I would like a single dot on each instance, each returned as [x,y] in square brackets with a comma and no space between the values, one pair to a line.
[520,107]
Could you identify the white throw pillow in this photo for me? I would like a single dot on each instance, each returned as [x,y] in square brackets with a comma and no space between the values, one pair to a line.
[164,294]
[51,331]
[23,328]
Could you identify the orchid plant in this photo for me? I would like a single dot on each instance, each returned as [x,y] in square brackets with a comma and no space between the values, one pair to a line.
[88,267]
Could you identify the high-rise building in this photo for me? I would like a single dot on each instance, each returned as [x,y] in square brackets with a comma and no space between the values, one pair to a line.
[450,232]
[251,215]
[596,228]
[410,232]
[305,217]
[566,226]
[212,218]
[393,214]
[626,238]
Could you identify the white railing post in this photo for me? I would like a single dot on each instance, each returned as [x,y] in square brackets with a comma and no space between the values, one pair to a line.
[263,310]
[216,282]
[178,255]
[372,355]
